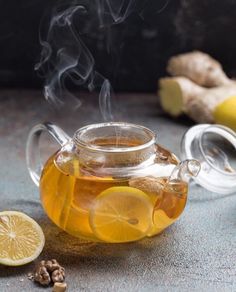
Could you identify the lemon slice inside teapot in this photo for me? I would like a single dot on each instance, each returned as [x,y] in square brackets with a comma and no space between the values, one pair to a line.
[121,214]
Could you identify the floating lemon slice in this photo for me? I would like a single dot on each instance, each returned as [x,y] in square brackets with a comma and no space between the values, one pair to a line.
[21,239]
[160,222]
[121,214]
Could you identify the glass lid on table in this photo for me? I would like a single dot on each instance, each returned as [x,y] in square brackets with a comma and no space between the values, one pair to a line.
[214,146]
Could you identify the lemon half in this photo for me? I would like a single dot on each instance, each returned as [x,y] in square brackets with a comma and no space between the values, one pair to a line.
[121,214]
[21,239]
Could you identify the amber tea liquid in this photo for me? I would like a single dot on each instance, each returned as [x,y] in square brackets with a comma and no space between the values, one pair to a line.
[70,201]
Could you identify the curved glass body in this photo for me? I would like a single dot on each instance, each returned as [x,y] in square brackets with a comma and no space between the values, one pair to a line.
[113,183]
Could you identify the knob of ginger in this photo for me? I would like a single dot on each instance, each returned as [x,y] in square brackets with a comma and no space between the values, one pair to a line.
[198,67]
[180,94]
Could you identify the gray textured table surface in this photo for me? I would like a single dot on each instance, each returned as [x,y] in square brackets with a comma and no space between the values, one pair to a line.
[198,253]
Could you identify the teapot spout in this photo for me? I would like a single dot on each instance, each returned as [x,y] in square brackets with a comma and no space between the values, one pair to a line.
[185,170]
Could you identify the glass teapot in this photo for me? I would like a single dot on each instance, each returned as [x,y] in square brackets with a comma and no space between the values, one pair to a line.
[111,182]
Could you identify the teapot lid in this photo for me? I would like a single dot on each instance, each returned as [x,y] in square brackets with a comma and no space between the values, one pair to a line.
[214,146]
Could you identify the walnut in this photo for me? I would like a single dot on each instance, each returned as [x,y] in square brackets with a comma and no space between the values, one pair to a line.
[58,275]
[49,271]
[42,276]
[52,265]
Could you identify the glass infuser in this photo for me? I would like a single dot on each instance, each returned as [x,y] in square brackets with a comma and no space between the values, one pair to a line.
[110,182]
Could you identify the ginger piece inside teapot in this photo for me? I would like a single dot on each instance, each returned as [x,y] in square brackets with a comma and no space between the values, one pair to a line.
[147,184]
[150,185]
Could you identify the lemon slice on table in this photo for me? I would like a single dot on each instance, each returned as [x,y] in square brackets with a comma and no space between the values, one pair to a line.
[121,214]
[21,239]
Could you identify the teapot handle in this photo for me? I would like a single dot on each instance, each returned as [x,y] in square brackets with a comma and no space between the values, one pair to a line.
[33,160]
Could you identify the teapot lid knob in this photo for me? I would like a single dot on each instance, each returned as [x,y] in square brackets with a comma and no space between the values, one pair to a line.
[214,146]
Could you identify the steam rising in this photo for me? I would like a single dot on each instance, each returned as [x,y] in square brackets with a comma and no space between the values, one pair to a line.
[115,11]
[64,55]
[66,58]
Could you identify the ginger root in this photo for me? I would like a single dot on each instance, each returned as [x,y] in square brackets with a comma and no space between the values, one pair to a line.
[181,94]
[175,94]
[198,67]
